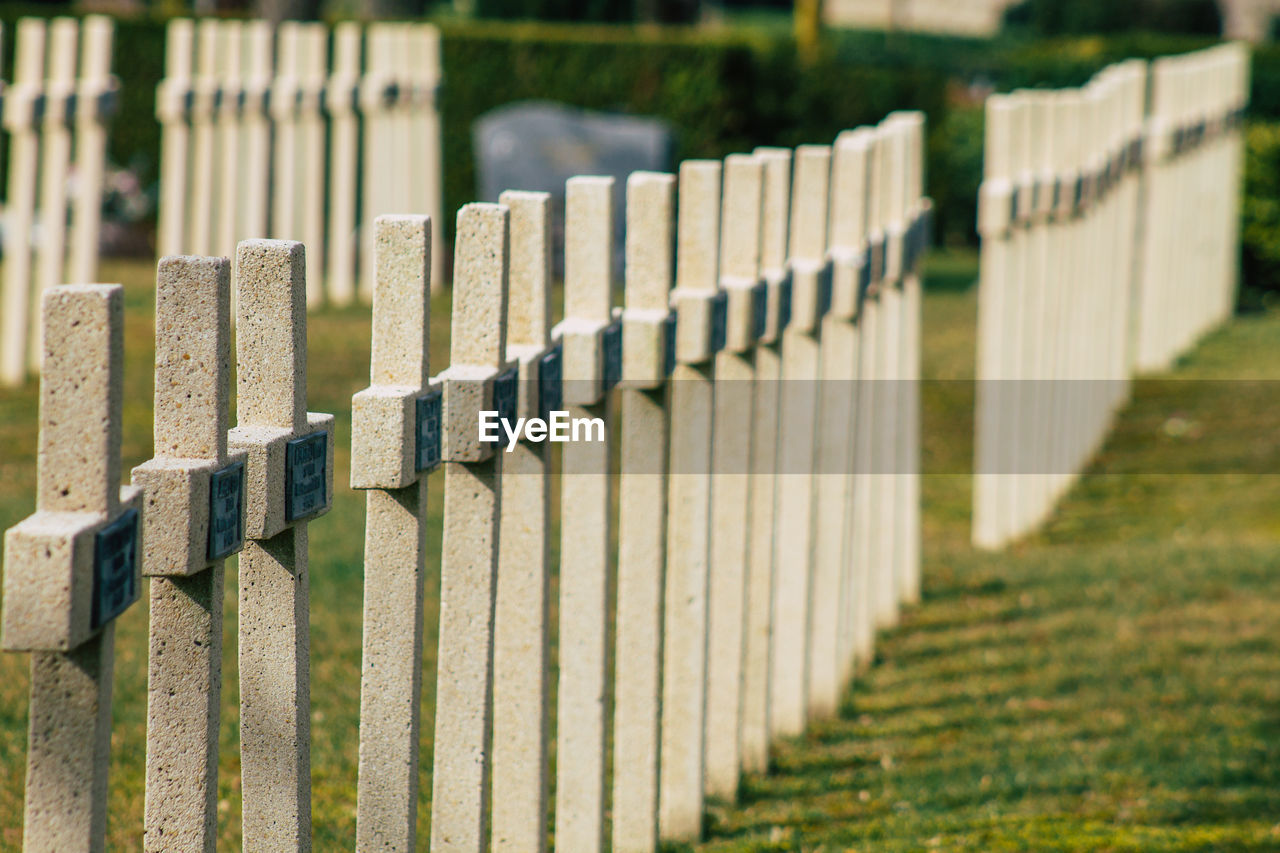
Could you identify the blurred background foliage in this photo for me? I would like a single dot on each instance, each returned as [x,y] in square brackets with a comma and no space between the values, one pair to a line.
[738,83]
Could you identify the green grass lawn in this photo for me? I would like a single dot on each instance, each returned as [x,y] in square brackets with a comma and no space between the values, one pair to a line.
[1111,684]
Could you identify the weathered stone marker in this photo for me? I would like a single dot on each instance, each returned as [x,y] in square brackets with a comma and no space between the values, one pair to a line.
[195,494]
[757,654]
[648,339]
[23,102]
[829,648]
[72,568]
[521,655]
[204,113]
[395,444]
[801,368]
[59,98]
[698,301]
[173,109]
[746,305]
[230,42]
[477,379]
[289,481]
[592,349]
[94,105]
[342,100]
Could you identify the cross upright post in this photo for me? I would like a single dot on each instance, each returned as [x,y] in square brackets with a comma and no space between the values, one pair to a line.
[229,116]
[592,366]
[801,372]
[96,93]
[648,342]
[700,309]
[522,649]
[395,444]
[479,380]
[174,97]
[23,105]
[341,100]
[72,568]
[289,481]
[761,576]
[746,305]
[195,509]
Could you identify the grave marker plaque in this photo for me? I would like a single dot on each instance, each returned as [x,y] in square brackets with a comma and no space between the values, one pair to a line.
[226,503]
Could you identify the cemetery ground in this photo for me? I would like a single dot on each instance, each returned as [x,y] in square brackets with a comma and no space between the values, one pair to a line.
[1112,683]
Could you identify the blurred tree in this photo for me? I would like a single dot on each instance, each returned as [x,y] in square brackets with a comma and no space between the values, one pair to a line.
[808,27]
[287,10]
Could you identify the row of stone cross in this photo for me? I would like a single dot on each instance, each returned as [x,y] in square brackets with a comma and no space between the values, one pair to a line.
[55,112]
[757,380]
[246,107]
[1109,218]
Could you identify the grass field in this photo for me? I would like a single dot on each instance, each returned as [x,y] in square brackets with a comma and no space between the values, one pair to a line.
[1111,684]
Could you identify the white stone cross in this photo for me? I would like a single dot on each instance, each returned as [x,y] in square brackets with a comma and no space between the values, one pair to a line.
[289,481]
[23,103]
[174,98]
[342,102]
[521,656]
[59,103]
[775,206]
[833,485]
[73,567]
[204,142]
[648,342]
[285,103]
[258,64]
[592,365]
[309,221]
[230,64]
[747,306]
[195,511]
[395,444]
[801,371]
[700,305]
[478,379]
[95,102]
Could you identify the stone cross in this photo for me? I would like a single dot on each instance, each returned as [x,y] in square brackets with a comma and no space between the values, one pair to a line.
[72,568]
[801,365]
[289,481]
[428,152]
[746,302]
[522,656]
[592,365]
[918,213]
[313,62]
[342,103]
[833,487]
[204,113]
[700,307]
[23,102]
[174,98]
[377,95]
[995,224]
[195,513]
[95,99]
[395,444]
[478,379]
[648,341]
[258,64]
[285,101]
[775,206]
[228,116]
[59,103]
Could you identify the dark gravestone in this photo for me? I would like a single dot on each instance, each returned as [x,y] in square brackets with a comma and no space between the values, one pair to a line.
[539,145]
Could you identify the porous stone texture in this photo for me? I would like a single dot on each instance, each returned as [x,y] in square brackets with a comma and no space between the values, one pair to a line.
[521,656]
[684,669]
[461,776]
[48,579]
[586,501]
[384,460]
[274,580]
[192,399]
[391,668]
[731,483]
[68,747]
[47,593]
[642,520]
